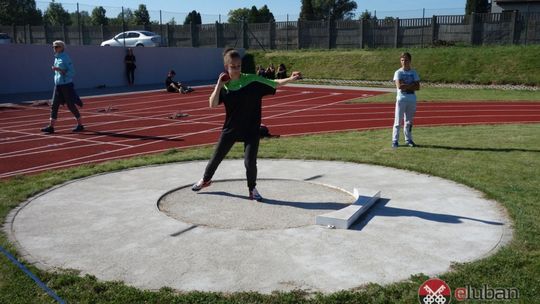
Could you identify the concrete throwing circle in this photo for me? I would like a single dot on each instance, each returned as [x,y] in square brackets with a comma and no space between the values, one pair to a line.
[110,226]
[288,209]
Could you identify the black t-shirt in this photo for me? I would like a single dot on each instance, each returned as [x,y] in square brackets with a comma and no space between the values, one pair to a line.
[243,104]
[168,81]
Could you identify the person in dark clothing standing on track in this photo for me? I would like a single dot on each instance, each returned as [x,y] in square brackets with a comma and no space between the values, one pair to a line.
[242,96]
[130,66]
[64,92]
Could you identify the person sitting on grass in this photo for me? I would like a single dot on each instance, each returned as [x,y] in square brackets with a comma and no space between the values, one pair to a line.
[175,86]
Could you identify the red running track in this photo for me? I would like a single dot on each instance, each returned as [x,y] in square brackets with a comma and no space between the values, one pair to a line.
[139,123]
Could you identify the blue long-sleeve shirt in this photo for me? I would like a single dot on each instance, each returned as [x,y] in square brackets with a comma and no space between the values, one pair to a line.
[62,60]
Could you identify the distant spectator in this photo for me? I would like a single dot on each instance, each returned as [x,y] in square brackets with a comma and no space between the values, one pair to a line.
[281,72]
[175,86]
[271,72]
[64,92]
[130,66]
[261,71]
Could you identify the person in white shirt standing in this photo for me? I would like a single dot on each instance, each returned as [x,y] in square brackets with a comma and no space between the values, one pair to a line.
[407,83]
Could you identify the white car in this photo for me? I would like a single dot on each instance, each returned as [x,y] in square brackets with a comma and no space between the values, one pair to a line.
[4,38]
[134,38]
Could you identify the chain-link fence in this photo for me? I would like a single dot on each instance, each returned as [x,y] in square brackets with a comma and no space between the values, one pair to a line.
[289,33]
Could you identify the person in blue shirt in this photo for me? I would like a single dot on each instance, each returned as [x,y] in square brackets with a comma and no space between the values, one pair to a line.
[407,83]
[64,92]
[242,96]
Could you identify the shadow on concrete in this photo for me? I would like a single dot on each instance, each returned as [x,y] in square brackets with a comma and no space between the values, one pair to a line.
[380,209]
[303,205]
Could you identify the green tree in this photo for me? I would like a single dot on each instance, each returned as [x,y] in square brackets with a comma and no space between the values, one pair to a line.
[126,18]
[238,15]
[193,17]
[55,14]
[366,15]
[252,15]
[85,18]
[19,12]
[98,16]
[172,21]
[141,15]
[476,6]
[335,9]
[389,20]
[265,15]
[307,11]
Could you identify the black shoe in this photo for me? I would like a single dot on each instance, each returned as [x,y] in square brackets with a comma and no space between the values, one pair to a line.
[48,129]
[78,128]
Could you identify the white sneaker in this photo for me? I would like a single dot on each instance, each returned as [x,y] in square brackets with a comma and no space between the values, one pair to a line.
[201,184]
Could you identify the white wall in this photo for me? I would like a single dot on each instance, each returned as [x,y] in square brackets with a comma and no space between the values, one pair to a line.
[27,68]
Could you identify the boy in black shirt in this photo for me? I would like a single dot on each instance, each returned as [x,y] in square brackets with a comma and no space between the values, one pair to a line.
[242,95]
[175,87]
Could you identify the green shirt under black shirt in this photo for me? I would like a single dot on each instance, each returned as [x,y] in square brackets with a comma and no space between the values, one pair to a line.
[243,104]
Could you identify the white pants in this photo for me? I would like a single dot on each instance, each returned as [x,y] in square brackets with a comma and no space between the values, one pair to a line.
[405,108]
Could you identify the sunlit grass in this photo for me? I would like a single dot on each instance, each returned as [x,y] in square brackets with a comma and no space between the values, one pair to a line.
[501,161]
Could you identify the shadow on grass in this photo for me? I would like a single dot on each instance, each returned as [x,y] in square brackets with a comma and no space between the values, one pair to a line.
[380,209]
[303,205]
[478,149]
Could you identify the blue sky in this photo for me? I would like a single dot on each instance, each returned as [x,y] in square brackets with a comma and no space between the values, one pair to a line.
[212,9]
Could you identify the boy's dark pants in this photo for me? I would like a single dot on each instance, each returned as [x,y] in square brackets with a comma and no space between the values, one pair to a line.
[224,145]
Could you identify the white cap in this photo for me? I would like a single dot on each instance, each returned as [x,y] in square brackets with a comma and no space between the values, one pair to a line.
[59,43]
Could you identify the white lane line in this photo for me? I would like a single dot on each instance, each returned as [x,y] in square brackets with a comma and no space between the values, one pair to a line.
[79,159]
[74,139]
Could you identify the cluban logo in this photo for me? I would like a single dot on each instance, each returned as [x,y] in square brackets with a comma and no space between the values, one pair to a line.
[486,293]
[434,291]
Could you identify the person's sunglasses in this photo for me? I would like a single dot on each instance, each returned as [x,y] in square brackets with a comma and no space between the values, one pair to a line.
[56,46]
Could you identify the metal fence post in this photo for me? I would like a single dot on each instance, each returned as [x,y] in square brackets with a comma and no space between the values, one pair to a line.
[396,33]
[472,20]
[64,34]
[329,32]
[168,34]
[79,25]
[44,33]
[513,27]
[299,36]
[434,29]
[243,30]
[160,28]
[361,33]
[14,33]
[422,31]
[192,34]
[102,32]
[218,35]
[26,34]
[272,34]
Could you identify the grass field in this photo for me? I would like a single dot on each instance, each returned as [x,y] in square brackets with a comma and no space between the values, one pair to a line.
[501,161]
[480,65]
[465,95]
